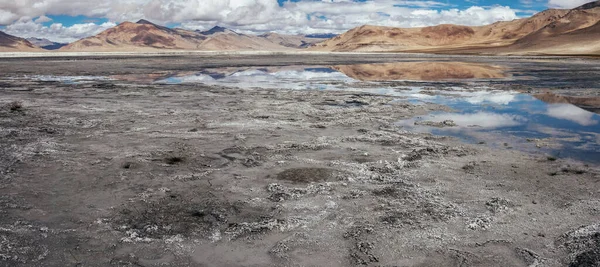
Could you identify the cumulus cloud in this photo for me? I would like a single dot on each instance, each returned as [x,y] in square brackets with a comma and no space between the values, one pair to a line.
[566,3]
[307,16]
[56,32]
[572,113]
[42,19]
[339,16]
[483,119]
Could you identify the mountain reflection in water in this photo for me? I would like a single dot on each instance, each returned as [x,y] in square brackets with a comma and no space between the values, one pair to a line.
[547,123]
[421,71]
[400,71]
[524,122]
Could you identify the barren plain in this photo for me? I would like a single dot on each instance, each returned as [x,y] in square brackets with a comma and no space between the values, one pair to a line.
[101,165]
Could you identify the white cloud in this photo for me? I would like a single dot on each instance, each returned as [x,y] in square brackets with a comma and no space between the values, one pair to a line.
[483,119]
[42,19]
[308,16]
[571,113]
[566,3]
[56,32]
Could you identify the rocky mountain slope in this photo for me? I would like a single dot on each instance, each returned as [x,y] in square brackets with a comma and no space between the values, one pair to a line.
[9,43]
[144,35]
[554,31]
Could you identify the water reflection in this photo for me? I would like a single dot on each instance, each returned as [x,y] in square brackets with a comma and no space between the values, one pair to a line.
[67,79]
[320,77]
[497,117]
[522,121]
[572,113]
[588,103]
[421,71]
[557,124]
[292,77]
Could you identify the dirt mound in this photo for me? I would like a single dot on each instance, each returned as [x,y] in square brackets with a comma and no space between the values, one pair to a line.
[583,246]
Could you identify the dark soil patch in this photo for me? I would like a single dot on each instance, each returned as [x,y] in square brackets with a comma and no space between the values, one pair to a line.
[174,160]
[307,175]
[177,215]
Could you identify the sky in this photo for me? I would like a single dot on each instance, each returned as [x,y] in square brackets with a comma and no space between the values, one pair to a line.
[70,20]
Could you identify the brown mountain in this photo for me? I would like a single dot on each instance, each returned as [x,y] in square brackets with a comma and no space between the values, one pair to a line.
[293,41]
[45,43]
[577,32]
[228,40]
[139,36]
[9,43]
[147,36]
[377,38]
[553,31]
[421,71]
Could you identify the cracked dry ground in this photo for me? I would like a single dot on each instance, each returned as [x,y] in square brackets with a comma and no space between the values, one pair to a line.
[147,175]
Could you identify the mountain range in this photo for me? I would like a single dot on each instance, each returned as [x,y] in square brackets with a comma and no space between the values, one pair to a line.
[9,43]
[145,35]
[45,43]
[553,31]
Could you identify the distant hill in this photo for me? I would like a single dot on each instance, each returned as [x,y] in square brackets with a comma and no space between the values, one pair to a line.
[321,35]
[144,35]
[553,31]
[214,30]
[9,43]
[139,36]
[293,41]
[45,43]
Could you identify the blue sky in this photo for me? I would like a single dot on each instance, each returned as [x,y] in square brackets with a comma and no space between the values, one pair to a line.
[68,20]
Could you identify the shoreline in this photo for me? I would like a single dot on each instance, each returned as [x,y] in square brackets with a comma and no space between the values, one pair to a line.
[167,53]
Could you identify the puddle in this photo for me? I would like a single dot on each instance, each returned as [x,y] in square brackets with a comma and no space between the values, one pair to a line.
[512,120]
[294,78]
[339,76]
[68,79]
[560,127]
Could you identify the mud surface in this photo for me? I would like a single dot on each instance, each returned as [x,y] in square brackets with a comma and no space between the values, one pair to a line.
[133,173]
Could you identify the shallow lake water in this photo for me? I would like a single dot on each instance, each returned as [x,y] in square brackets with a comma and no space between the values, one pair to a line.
[507,119]
[482,113]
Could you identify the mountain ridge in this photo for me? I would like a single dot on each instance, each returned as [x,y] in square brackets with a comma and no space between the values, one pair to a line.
[552,31]
[145,35]
[10,43]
